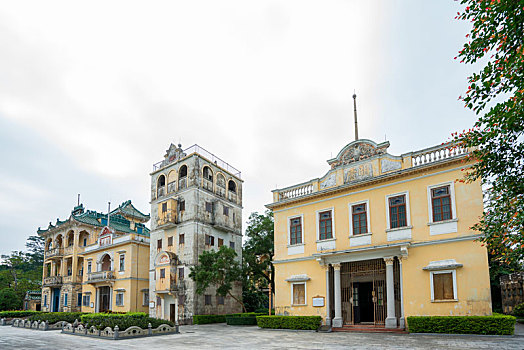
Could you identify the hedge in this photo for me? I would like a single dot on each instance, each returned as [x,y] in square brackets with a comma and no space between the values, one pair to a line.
[54,317]
[123,321]
[497,325]
[205,319]
[245,319]
[519,310]
[289,322]
[17,313]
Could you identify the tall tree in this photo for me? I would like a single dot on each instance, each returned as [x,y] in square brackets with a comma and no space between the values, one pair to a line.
[219,269]
[258,251]
[35,245]
[496,94]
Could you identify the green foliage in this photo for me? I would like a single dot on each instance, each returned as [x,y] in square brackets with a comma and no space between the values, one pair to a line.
[219,269]
[519,310]
[17,313]
[243,319]
[54,317]
[496,141]
[205,319]
[257,256]
[496,325]
[123,321]
[289,322]
[9,299]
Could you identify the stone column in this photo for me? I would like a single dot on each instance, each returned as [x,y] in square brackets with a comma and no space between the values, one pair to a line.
[74,261]
[328,307]
[337,321]
[402,322]
[391,320]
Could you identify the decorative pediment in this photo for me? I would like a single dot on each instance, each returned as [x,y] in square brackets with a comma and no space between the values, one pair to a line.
[357,151]
[173,153]
[166,258]
[106,236]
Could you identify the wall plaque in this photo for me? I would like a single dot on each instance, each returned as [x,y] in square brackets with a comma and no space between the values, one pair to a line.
[318,301]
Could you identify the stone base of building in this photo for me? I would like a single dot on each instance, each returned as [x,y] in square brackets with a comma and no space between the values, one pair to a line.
[338,322]
[391,322]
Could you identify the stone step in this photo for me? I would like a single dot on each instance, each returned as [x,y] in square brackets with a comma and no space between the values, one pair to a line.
[368,329]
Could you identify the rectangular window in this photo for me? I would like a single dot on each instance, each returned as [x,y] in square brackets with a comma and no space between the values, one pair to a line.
[207,298]
[325,225]
[441,203]
[209,207]
[232,245]
[170,241]
[119,299]
[162,273]
[65,299]
[359,217]
[397,211]
[145,299]
[295,231]
[86,300]
[226,211]
[122,262]
[89,267]
[181,238]
[158,301]
[85,242]
[220,300]
[164,207]
[220,242]
[181,272]
[209,240]
[181,299]
[159,244]
[182,205]
[443,286]
[299,294]
[45,299]
[79,299]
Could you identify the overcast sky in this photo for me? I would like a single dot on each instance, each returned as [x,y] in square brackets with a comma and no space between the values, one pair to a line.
[92,94]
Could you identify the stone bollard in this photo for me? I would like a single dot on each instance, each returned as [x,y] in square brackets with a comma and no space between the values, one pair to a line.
[2,322]
[115,334]
[46,326]
[149,330]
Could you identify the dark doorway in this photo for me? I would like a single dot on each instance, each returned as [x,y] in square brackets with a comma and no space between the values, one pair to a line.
[365,293]
[104,300]
[172,312]
[38,307]
[56,300]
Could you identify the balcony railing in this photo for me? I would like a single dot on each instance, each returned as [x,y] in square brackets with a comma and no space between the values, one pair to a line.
[160,192]
[99,276]
[182,183]
[296,191]
[232,196]
[221,191]
[207,185]
[177,286]
[68,250]
[168,217]
[171,187]
[67,279]
[52,281]
[435,154]
[55,252]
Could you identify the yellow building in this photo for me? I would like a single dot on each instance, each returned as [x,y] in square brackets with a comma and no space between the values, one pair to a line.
[91,265]
[381,237]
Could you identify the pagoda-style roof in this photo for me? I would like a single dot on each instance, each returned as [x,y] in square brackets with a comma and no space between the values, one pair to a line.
[128,210]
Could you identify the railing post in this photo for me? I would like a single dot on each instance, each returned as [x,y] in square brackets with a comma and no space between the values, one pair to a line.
[115,334]
[149,330]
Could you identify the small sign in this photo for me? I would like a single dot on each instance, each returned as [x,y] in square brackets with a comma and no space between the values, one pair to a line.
[318,301]
[92,304]
[151,304]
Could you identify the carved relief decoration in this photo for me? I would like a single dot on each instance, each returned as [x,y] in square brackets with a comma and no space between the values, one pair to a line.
[359,150]
[330,181]
[358,172]
[173,153]
[389,165]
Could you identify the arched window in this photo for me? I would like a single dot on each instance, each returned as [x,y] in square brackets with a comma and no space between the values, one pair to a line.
[171,181]
[183,172]
[208,173]
[232,186]
[49,244]
[70,238]
[83,239]
[221,181]
[105,263]
[160,185]
[58,242]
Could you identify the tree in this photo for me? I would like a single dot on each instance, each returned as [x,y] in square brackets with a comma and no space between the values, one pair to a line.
[220,269]
[257,257]
[496,141]
[35,245]
[9,300]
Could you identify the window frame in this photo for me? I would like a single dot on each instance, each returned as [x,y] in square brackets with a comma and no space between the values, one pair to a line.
[368,218]
[451,185]
[66,297]
[408,211]
[145,301]
[122,266]
[206,298]
[121,294]
[159,244]
[289,218]
[317,214]
[454,278]
[293,284]
[225,210]
[209,207]
[162,273]
[232,244]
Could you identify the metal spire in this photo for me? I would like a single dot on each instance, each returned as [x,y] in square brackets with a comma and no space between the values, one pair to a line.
[108,212]
[355,112]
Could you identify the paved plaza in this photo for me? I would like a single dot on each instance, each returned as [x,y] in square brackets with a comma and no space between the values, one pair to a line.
[230,337]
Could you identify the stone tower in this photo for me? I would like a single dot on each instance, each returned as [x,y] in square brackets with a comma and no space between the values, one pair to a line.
[196,205]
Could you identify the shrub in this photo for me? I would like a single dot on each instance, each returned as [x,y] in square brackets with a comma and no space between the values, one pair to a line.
[54,317]
[289,322]
[241,320]
[497,325]
[17,313]
[519,310]
[205,319]
[123,321]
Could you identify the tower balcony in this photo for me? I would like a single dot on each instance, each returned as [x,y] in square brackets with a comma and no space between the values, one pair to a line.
[54,253]
[100,276]
[167,219]
[52,281]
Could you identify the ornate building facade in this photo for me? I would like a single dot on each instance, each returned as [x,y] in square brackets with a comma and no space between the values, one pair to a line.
[92,265]
[381,237]
[196,205]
